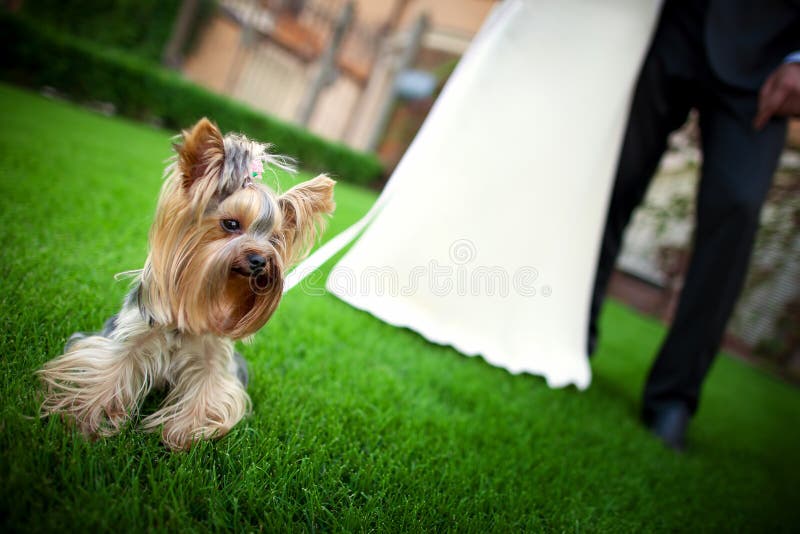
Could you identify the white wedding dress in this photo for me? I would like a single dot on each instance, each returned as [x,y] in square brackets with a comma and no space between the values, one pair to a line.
[487,235]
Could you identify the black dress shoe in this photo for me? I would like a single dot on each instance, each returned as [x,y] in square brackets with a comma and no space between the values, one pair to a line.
[668,423]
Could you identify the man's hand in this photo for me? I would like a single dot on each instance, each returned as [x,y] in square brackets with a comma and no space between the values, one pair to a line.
[780,94]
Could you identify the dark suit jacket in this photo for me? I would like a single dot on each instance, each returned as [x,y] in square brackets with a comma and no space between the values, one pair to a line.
[747,39]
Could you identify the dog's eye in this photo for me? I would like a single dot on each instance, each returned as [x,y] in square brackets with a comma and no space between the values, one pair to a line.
[230,225]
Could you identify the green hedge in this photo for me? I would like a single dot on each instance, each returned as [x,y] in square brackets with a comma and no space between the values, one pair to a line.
[140,27]
[34,55]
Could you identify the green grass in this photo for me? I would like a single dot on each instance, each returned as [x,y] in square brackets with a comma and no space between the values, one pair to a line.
[357,425]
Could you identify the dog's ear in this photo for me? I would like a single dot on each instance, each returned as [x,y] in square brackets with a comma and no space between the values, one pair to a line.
[303,210]
[201,152]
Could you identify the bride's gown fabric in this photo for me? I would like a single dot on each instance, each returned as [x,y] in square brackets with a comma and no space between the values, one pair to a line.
[487,235]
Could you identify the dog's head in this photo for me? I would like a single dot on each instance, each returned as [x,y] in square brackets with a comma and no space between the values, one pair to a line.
[222,241]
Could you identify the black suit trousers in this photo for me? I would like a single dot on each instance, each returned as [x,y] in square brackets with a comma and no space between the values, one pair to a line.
[738,165]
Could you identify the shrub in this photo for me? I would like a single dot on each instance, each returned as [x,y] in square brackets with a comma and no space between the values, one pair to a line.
[111,23]
[35,55]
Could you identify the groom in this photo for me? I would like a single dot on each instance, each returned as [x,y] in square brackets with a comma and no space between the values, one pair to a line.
[738,63]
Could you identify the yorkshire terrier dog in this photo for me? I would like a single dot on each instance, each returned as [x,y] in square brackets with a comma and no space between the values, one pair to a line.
[220,245]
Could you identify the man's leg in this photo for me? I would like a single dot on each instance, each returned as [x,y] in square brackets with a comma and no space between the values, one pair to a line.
[737,171]
[661,102]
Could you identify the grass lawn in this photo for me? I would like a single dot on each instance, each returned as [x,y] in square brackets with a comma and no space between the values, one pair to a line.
[357,425]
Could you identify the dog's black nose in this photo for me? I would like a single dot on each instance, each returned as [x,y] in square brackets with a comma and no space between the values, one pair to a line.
[257,262]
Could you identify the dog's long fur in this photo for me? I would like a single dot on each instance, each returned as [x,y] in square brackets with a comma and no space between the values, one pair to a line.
[197,293]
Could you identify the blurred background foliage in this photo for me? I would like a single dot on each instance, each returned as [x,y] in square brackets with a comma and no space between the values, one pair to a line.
[127,80]
[141,27]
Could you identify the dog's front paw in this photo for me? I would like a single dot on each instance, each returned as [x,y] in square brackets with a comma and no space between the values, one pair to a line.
[200,407]
[93,385]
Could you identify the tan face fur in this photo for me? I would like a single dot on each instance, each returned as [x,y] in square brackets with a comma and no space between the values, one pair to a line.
[221,241]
